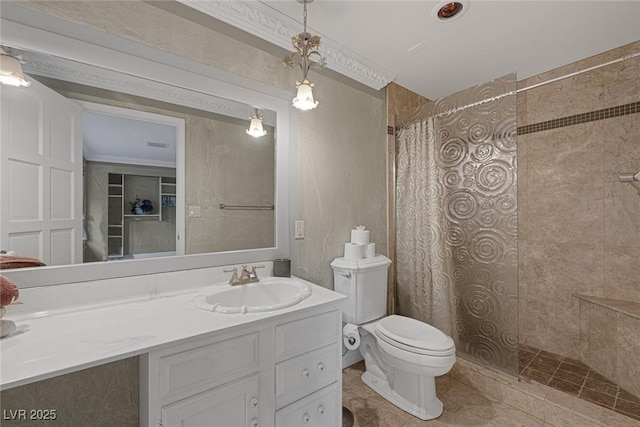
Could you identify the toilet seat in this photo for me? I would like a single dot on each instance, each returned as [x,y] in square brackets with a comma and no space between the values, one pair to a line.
[414,336]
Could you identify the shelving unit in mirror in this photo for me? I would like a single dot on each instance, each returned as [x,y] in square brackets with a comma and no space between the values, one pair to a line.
[150,198]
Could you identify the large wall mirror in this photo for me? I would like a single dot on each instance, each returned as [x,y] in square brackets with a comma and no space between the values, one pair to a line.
[135,160]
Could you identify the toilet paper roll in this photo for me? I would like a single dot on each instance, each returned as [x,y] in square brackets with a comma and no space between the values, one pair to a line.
[350,336]
[353,251]
[360,235]
[370,250]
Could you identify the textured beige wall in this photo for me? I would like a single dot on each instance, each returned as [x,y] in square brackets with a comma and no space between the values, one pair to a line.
[341,145]
[610,342]
[228,166]
[578,226]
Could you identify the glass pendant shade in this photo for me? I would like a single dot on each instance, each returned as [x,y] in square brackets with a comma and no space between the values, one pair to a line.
[304,99]
[11,71]
[255,127]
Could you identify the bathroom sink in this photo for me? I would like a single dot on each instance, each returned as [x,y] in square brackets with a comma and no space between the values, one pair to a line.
[266,295]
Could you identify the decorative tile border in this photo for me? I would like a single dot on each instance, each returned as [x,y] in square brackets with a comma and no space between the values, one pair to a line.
[606,113]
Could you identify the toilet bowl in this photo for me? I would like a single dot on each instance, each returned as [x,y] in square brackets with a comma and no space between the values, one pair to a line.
[402,355]
[402,358]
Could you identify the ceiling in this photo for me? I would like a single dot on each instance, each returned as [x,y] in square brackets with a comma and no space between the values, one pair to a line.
[114,139]
[492,38]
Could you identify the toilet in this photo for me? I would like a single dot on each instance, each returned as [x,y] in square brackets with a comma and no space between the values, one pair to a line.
[402,356]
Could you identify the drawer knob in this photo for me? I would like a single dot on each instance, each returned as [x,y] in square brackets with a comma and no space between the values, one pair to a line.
[254,402]
[320,366]
[254,423]
[306,418]
[306,373]
[321,409]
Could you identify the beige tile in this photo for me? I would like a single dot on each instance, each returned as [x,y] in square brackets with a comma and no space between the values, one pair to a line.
[621,82]
[628,353]
[564,410]
[621,278]
[574,95]
[555,271]
[370,409]
[570,215]
[622,222]
[353,371]
[496,386]
[598,338]
[450,417]
[550,324]
[521,108]
[565,157]
[503,415]
[621,146]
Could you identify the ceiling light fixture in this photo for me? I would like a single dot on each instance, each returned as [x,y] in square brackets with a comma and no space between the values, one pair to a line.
[306,47]
[11,70]
[448,10]
[255,127]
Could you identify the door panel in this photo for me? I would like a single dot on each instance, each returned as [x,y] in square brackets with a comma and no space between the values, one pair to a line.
[41,174]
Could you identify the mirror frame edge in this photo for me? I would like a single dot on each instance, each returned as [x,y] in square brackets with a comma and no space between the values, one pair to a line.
[34,31]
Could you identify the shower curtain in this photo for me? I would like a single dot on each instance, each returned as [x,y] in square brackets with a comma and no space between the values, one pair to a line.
[456,220]
[422,257]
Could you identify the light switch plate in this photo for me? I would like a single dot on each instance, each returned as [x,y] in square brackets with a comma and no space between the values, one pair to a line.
[299,232]
[194,212]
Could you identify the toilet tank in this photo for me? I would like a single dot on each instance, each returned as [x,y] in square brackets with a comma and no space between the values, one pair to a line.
[364,282]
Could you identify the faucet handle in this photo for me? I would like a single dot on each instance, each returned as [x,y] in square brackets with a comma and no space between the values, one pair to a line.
[254,274]
[234,277]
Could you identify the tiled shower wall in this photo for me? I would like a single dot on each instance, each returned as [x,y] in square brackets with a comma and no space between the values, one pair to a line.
[578,226]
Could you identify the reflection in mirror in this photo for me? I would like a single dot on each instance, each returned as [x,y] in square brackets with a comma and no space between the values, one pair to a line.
[135,200]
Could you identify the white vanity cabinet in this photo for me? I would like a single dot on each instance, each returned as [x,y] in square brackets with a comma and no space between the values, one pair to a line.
[283,371]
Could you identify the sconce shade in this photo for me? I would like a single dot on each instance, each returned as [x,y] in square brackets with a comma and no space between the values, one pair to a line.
[11,71]
[255,127]
[304,99]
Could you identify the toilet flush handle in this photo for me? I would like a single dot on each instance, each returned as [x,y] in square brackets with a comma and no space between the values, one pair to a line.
[347,275]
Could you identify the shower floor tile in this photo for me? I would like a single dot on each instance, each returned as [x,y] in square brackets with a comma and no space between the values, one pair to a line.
[574,377]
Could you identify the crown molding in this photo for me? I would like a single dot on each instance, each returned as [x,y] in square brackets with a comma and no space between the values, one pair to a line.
[260,20]
[74,72]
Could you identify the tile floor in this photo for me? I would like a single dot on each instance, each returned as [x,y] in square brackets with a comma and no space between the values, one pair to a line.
[576,378]
[463,406]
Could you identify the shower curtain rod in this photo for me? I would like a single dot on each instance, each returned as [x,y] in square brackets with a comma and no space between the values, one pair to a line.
[555,79]
[575,73]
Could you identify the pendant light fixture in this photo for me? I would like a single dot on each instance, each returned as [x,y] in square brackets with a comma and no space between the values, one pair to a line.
[255,127]
[306,56]
[11,70]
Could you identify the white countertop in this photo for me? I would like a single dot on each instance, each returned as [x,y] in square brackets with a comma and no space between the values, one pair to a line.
[49,344]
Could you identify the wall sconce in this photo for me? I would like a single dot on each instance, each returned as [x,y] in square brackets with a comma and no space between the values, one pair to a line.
[255,127]
[11,70]
[306,47]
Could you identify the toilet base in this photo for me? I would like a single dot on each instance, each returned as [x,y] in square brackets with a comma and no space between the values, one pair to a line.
[383,388]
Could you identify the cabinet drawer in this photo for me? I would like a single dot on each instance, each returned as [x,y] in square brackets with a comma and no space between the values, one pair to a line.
[204,367]
[303,335]
[232,405]
[321,409]
[305,374]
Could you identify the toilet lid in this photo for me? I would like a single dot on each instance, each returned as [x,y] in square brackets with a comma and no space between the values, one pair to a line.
[414,335]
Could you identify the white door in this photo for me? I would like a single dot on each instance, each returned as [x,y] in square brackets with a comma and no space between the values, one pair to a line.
[40,174]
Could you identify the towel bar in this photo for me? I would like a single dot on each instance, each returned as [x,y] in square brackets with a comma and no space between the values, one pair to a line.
[247,207]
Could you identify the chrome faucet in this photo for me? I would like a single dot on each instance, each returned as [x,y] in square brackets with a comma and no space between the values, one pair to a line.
[245,277]
[234,277]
